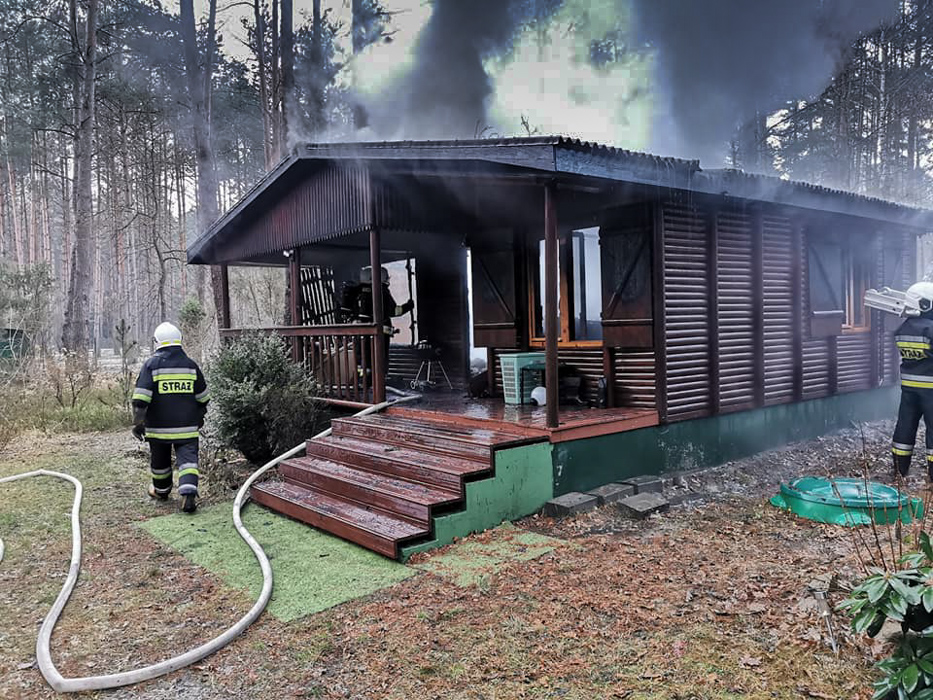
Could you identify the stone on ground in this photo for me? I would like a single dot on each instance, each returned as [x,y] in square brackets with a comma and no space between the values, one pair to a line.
[645,484]
[570,503]
[610,493]
[642,505]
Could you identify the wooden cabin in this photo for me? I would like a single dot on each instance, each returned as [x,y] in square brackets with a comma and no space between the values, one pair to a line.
[685,317]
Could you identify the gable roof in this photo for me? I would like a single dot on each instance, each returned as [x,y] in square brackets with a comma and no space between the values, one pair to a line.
[536,157]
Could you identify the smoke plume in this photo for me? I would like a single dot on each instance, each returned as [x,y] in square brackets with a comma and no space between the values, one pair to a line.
[445,91]
[719,62]
[685,74]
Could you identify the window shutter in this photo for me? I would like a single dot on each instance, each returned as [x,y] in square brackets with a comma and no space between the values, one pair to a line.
[625,254]
[827,288]
[495,307]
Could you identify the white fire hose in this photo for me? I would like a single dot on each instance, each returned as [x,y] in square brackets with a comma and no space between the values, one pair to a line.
[115,680]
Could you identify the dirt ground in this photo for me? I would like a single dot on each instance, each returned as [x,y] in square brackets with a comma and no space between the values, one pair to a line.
[711,600]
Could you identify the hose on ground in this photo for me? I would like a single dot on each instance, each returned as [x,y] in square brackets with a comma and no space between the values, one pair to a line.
[116,680]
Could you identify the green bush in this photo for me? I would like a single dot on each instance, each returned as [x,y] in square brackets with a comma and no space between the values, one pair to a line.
[262,404]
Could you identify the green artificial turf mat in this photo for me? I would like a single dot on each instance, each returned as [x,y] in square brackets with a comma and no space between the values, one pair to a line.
[312,570]
[472,562]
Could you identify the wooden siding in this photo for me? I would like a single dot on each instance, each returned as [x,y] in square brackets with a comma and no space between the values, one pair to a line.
[816,368]
[736,364]
[634,374]
[686,308]
[635,378]
[736,321]
[853,357]
[778,309]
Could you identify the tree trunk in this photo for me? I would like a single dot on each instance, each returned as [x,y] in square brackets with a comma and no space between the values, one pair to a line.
[318,121]
[207,178]
[276,87]
[288,71]
[358,30]
[263,85]
[75,332]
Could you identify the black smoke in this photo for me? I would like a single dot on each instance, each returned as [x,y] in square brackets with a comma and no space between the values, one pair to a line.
[721,62]
[447,91]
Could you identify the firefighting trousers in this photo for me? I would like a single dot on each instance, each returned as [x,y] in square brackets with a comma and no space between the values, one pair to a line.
[915,404]
[160,466]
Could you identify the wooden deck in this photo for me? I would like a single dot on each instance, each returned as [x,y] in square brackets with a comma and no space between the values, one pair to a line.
[380,480]
[575,422]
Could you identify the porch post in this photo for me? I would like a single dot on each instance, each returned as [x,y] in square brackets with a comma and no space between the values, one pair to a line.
[379,349]
[294,297]
[225,320]
[551,275]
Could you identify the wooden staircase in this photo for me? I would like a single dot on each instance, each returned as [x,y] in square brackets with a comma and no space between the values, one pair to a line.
[379,480]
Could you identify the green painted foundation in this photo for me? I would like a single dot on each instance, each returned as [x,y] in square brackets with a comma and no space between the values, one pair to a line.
[521,485]
[581,465]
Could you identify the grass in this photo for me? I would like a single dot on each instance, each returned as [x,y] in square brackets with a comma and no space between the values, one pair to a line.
[587,607]
[313,570]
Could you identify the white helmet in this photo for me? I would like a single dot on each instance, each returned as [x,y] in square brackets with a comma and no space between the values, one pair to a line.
[366,275]
[539,396]
[167,334]
[920,295]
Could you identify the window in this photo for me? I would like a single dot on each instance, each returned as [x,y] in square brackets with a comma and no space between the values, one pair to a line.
[857,271]
[579,289]
[839,274]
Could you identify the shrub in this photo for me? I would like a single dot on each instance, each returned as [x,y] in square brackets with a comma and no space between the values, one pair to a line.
[262,403]
[192,320]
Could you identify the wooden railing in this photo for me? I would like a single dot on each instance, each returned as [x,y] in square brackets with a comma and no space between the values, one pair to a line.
[339,357]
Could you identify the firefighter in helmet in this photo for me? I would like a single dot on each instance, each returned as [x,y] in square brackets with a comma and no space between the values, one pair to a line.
[915,343]
[169,403]
[389,308]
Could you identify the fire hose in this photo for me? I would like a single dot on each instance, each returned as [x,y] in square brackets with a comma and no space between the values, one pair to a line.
[116,680]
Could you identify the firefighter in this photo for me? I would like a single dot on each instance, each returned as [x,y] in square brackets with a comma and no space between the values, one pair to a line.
[914,340]
[169,403]
[389,308]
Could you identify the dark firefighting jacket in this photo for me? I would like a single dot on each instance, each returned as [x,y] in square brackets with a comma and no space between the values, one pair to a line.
[172,392]
[389,308]
[914,341]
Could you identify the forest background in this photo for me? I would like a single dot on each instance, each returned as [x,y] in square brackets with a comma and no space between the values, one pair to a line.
[127,126]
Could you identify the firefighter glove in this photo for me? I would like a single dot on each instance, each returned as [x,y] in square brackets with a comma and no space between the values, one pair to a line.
[408,306]
[139,432]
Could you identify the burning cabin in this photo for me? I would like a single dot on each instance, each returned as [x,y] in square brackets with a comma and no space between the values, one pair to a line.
[685,317]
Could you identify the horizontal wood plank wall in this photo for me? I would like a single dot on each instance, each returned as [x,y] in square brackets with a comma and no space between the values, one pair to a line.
[635,379]
[634,374]
[777,273]
[853,355]
[404,364]
[588,363]
[816,374]
[686,308]
[736,366]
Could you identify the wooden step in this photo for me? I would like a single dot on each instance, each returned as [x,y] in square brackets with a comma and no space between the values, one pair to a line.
[487,434]
[398,433]
[397,497]
[366,528]
[516,432]
[390,460]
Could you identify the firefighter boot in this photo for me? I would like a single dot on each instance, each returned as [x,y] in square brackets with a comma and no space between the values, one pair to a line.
[902,464]
[189,502]
[154,493]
